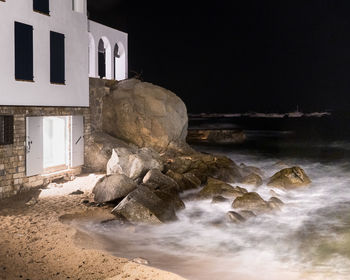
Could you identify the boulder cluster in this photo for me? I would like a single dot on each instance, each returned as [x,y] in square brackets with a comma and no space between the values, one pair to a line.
[149,165]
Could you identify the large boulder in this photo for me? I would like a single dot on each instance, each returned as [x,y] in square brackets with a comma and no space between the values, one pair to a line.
[144,206]
[145,115]
[133,163]
[216,187]
[99,148]
[113,187]
[289,178]
[186,181]
[251,201]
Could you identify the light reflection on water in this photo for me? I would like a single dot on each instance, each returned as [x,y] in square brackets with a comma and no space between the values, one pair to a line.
[308,239]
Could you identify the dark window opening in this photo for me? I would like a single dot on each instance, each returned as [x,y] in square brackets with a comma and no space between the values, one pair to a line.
[57,58]
[101,59]
[6,130]
[23,52]
[41,6]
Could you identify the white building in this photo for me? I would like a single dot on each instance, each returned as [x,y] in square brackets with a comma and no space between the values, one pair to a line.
[48,51]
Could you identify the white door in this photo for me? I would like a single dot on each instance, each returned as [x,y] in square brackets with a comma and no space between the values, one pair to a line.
[34,146]
[77,145]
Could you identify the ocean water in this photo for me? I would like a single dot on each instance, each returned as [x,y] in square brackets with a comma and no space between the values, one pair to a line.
[308,239]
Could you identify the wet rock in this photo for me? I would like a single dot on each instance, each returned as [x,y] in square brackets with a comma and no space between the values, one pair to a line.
[133,164]
[186,181]
[251,201]
[112,187]
[275,203]
[144,206]
[247,170]
[32,201]
[216,136]
[289,178]
[252,179]
[219,199]
[203,166]
[246,214]
[216,187]
[235,217]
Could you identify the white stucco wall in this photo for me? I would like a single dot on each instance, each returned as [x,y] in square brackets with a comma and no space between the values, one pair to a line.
[41,92]
[112,37]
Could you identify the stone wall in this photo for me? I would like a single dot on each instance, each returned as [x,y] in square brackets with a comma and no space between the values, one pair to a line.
[13,157]
[98,89]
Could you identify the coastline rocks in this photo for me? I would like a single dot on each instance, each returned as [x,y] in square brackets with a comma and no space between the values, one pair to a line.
[203,166]
[134,164]
[275,203]
[186,181]
[147,115]
[246,214]
[252,179]
[234,217]
[99,150]
[216,136]
[216,187]
[113,187]
[143,206]
[289,178]
[219,199]
[251,201]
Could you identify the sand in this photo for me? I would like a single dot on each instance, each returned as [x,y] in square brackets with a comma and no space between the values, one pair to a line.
[37,242]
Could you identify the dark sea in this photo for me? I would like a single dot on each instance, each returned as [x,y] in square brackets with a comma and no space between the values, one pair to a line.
[308,239]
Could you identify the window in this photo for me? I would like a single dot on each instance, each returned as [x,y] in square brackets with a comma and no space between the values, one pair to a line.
[57,59]
[23,52]
[101,59]
[6,130]
[41,6]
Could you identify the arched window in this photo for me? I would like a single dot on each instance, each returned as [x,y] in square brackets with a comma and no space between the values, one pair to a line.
[101,59]
[104,59]
[119,62]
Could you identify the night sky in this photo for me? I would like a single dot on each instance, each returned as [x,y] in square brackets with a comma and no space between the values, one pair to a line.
[238,56]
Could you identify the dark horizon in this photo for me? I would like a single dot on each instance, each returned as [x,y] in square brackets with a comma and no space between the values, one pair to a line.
[267,56]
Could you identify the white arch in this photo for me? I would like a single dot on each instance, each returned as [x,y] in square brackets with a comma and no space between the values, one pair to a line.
[120,63]
[92,56]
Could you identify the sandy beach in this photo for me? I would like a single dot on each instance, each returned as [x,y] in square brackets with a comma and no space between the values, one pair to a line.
[37,243]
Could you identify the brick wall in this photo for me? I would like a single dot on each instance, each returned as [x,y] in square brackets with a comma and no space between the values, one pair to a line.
[13,157]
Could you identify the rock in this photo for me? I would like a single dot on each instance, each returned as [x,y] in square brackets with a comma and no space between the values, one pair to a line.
[275,203]
[219,199]
[156,179]
[235,217]
[191,181]
[143,206]
[246,214]
[32,201]
[216,187]
[252,179]
[99,148]
[204,165]
[164,187]
[145,115]
[216,136]
[140,261]
[247,170]
[186,181]
[134,164]
[113,187]
[289,178]
[77,192]
[251,201]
